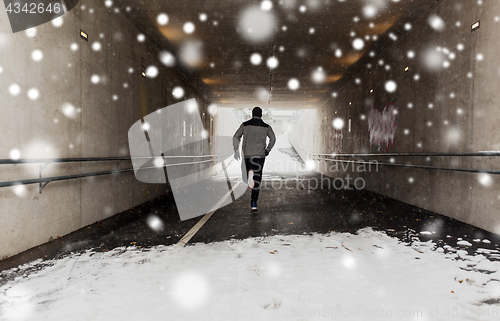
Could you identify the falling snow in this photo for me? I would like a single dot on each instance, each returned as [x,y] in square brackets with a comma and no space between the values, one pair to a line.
[453,136]
[178,92]
[69,110]
[152,72]
[15,154]
[166,58]
[293,84]
[338,123]
[96,46]
[191,106]
[256,25]
[196,289]
[436,22]
[262,94]
[146,126]
[393,36]
[191,52]
[33,94]
[390,86]
[95,79]
[266,5]
[162,19]
[20,190]
[485,179]
[212,109]
[14,89]
[433,59]
[255,59]
[358,44]
[31,32]
[189,27]
[153,221]
[318,75]
[369,11]
[272,62]
[57,22]
[37,55]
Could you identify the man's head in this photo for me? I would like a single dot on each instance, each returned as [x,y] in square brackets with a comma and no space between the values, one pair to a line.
[257,112]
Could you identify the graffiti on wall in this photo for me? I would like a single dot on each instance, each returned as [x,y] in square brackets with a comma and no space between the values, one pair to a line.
[382,125]
[335,143]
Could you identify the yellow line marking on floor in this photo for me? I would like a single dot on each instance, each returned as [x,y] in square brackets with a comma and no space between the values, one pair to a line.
[183,241]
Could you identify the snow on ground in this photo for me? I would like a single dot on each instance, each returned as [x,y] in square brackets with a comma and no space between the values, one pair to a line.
[338,276]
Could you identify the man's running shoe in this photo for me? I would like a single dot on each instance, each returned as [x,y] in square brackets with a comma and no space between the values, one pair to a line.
[254,205]
[251,182]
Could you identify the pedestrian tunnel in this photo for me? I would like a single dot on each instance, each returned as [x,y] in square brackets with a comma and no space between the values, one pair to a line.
[121,196]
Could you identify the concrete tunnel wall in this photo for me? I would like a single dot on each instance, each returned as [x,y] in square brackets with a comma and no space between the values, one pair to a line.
[449,109]
[74,117]
[225,122]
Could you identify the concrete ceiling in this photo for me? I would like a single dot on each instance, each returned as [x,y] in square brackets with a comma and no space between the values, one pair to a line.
[303,35]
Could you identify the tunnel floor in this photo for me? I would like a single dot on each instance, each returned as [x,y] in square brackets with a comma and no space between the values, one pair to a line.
[286,207]
[305,254]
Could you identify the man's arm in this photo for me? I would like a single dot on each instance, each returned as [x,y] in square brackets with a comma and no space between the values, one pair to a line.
[237,138]
[272,140]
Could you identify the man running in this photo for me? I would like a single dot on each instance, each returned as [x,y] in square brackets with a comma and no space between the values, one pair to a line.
[255,133]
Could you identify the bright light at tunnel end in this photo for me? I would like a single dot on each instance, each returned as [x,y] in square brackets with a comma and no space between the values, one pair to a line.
[310,165]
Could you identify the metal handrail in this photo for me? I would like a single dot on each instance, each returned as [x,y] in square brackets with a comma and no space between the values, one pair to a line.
[86,159]
[46,180]
[471,154]
[317,156]
[455,169]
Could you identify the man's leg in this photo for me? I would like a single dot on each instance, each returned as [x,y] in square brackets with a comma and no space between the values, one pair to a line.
[244,169]
[257,164]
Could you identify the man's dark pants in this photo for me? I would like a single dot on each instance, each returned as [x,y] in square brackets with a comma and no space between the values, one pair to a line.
[255,164]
